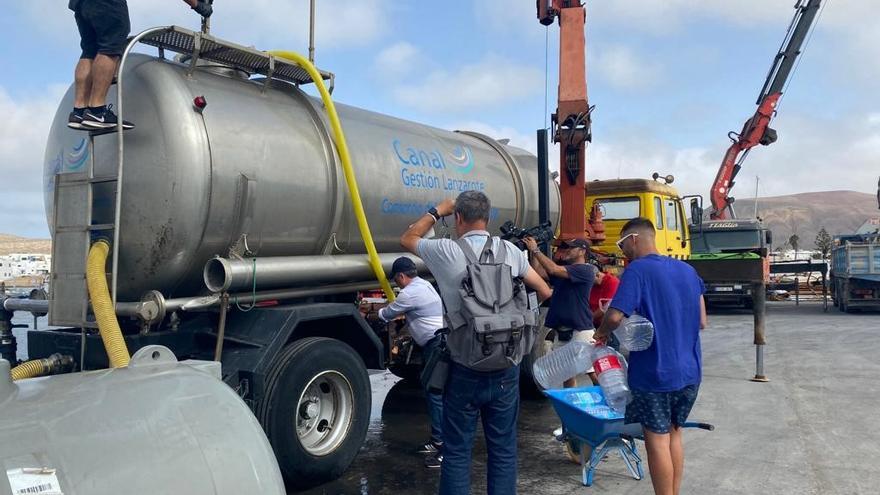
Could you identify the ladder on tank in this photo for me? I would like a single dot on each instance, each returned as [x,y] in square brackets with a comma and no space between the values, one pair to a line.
[78,222]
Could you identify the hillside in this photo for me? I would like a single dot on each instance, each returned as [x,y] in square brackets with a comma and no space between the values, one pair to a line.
[14,244]
[840,212]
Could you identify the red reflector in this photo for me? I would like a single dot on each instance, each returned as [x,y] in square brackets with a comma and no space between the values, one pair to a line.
[200,102]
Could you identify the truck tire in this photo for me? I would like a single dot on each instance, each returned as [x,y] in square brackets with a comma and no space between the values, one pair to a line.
[315,409]
[844,298]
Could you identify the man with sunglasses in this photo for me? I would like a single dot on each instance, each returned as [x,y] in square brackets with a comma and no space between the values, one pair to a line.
[423,309]
[665,377]
[572,279]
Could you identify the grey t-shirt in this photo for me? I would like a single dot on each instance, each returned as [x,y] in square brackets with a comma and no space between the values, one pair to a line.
[449,265]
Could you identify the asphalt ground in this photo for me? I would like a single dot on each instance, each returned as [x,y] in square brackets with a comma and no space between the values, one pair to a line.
[812,429]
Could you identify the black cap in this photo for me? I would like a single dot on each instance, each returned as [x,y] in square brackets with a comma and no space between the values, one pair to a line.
[402,265]
[578,243]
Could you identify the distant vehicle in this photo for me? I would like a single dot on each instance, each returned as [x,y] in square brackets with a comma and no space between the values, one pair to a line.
[727,254]
[855,272]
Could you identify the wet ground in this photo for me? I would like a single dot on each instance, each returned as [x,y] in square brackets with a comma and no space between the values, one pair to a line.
[811,430]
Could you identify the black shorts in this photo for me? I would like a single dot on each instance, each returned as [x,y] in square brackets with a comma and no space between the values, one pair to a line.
[103,27]
[660,411]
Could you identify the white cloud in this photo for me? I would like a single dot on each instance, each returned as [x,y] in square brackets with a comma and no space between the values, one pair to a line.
[811,155]
[23,133]
[623,68]
[801,161]
[268,24]
[513,18]
[398,59]
[490,82]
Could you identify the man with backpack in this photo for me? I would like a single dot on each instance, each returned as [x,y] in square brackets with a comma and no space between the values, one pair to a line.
[482,282]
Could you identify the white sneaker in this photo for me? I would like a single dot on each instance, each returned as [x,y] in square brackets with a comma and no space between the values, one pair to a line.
[557,433]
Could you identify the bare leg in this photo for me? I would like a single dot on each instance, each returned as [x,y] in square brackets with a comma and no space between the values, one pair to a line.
[660,462]
[677,450]
[103,69]
[82,77]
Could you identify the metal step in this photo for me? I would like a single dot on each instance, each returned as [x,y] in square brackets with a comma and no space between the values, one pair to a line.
[204,46]
[69,304]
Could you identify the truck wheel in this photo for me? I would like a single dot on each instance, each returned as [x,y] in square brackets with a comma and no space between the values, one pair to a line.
[844,298]
[543,345]
[315,410]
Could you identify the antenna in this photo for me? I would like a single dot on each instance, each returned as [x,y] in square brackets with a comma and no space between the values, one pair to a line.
[312,31]
[756,195]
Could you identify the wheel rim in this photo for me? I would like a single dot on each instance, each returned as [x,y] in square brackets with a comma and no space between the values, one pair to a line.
[324,413]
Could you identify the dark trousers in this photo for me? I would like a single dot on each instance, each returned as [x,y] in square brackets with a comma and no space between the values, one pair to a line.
[494,397]
[435,401]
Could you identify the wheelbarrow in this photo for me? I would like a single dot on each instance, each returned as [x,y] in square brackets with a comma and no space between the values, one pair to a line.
[587,418]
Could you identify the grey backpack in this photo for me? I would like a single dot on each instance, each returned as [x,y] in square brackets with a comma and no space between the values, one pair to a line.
[494,327]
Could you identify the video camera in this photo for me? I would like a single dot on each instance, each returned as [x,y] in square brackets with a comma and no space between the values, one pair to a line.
[543,233]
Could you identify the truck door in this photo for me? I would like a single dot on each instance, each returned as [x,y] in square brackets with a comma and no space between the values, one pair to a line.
[656,216]
[672,214]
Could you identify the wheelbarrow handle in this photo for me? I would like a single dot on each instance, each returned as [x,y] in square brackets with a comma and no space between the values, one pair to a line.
[702,426]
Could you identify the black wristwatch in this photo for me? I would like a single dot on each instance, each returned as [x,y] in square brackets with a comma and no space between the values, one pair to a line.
[434,213]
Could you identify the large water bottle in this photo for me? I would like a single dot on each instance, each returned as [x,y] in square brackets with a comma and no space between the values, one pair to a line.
[569,361]
[611,371]
[637,333]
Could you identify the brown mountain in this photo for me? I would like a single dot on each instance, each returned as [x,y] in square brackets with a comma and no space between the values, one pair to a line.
[14,244]
[839,212]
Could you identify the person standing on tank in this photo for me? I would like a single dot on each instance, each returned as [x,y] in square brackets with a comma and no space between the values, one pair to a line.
[103,27]
[664,378]
[469,394]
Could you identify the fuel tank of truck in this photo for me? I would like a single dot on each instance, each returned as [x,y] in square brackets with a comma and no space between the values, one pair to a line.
[256,167]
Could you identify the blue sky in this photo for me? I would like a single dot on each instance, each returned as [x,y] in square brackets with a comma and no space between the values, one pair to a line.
[669,79]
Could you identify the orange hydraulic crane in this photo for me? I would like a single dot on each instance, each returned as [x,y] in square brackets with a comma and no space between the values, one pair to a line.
[757,129]
[570,124]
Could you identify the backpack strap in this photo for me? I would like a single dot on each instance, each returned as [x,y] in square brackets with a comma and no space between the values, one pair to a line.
[501,255]
[487,251]
[469,252]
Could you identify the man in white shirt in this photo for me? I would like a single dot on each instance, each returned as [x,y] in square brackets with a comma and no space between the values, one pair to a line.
[423,309]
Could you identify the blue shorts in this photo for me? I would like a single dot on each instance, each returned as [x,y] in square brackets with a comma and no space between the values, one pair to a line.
[659,411]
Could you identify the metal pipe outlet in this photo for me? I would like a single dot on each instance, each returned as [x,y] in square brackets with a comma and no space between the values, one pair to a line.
[226,275]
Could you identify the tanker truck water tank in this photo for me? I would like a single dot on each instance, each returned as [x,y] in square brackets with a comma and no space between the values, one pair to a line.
[257,165]
[157,426]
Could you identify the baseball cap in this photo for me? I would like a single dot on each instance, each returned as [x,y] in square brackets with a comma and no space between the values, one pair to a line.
[401,265]
[572,243]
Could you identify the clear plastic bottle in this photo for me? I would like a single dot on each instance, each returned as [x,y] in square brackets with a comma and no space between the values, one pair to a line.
[569,361]
[610,368]
[637,333]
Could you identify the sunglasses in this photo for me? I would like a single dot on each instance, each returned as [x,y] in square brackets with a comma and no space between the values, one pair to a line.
[624,238]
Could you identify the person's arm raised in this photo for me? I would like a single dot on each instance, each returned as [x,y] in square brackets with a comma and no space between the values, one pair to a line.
[410,239]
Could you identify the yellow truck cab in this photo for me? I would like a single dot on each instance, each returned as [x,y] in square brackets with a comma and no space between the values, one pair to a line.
[620,200]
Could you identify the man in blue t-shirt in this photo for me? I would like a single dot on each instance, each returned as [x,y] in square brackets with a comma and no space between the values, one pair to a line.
[665,377]
[569,314]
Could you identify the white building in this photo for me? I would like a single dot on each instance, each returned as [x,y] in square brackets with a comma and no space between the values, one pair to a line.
[23,264]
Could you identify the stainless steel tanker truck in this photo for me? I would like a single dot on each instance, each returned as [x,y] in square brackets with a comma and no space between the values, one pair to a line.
[235,237]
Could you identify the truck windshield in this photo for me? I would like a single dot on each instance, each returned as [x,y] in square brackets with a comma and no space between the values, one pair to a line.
[724,240]
[619,208]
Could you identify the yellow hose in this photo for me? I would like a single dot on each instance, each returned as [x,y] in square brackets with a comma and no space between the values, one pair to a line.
[27,369]
[344,156]
[102,305]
